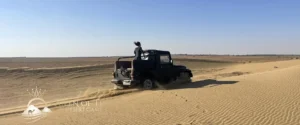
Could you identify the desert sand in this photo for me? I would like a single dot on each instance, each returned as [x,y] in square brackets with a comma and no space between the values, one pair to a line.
[231,94]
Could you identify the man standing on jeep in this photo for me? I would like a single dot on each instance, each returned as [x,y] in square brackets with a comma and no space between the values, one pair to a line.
[138,51]
[138,56]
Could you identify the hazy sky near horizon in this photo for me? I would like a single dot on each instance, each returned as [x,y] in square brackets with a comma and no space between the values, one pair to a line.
[60,28]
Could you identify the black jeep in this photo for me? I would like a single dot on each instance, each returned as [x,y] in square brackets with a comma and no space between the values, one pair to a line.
[155,66]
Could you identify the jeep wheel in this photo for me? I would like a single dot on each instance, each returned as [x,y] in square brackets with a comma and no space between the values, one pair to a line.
[148,84]
[184,77]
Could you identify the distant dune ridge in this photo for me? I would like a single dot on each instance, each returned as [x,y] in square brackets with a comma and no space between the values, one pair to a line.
[50,62]
[221,93]
[55,69]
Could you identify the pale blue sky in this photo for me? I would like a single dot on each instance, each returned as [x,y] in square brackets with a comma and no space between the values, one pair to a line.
[60,28]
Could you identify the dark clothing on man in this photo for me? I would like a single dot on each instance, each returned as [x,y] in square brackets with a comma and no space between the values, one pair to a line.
[138,53]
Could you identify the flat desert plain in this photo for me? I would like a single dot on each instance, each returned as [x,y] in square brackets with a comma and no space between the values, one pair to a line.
[230,90]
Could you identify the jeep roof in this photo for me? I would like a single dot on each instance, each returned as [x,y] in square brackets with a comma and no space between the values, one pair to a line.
[150,51]
[154,51]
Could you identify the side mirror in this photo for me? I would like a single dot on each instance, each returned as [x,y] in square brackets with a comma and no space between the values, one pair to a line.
[171,61]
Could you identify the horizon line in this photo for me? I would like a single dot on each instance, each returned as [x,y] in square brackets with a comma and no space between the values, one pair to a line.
[171,54]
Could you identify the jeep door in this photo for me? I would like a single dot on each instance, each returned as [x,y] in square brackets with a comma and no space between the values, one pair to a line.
[165,67]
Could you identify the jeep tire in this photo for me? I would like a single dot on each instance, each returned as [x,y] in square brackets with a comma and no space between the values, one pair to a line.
[148,84]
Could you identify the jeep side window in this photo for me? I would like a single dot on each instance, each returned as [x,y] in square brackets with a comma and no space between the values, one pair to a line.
[146,56]
[164,59]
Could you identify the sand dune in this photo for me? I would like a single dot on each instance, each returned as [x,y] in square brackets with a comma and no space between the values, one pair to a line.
[65,82]
[265,95]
